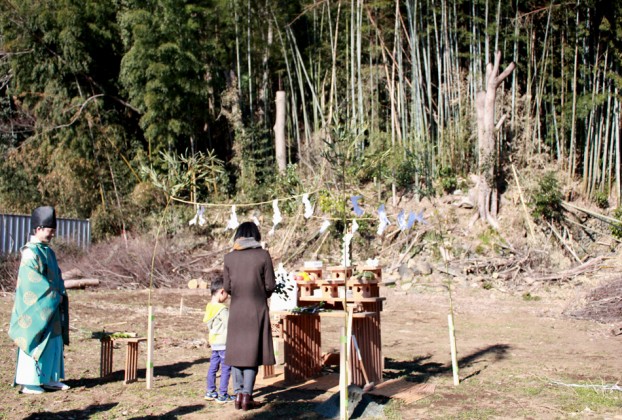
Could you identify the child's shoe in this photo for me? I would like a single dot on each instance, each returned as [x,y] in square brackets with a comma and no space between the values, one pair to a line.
[211,396]
[225,398]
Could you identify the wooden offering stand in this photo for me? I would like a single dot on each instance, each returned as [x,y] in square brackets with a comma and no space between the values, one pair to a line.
[301,332]
[334,286]
[307,288]
[365,284]
[131,356]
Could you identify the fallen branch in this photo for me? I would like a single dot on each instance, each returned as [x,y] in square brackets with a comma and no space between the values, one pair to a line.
[594,230]
[587,267]
[612,387]
[563,242]
[200,258]
[418,236]
[496,265]
[601,217]
[449,270]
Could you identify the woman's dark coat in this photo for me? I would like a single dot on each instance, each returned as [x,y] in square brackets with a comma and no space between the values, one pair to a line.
[249,280]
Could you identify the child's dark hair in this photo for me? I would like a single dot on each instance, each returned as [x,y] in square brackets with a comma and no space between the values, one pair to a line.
[217,284]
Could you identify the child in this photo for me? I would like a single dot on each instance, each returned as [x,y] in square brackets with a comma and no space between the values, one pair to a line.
[216,317]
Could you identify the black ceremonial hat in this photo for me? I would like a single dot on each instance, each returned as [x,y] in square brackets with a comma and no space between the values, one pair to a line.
[43,217]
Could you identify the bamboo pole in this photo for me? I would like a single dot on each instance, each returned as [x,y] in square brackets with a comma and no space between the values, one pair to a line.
[359,18]
[616,122]
[350,311]
[572,152]
[452,344]
[343,386]
[149,368]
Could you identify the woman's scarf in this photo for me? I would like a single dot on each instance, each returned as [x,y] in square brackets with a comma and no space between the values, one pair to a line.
[245,243]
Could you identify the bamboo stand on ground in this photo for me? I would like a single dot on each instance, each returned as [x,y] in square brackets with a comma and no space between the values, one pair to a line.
[343,386]
[452,344]
[350,312]
[149,367]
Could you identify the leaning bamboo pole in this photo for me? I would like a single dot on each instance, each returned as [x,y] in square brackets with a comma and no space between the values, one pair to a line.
[352,117]
[573,135]
[293,105]
[616,129]
[249,61]
[605,180]
[359,78]
[301,92]
[439,92]
[590,149]
[562,105]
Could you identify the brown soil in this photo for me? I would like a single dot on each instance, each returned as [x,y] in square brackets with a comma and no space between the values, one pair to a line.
[525,336]
[514,355]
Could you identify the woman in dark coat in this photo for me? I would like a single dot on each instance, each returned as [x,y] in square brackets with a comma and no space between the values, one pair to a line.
[249,280]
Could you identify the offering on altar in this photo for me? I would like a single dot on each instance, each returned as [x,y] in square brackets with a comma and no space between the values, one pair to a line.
[313,264]
[285,296]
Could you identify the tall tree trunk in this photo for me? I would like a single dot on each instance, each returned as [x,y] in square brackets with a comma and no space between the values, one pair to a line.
[487,144]
[279,132]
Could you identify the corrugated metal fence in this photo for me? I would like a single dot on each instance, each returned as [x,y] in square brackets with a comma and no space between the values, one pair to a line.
[15,231]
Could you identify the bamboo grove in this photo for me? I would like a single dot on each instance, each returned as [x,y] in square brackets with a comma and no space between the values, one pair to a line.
[92,90]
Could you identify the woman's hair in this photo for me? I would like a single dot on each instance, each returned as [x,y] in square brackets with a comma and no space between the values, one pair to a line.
[248,230]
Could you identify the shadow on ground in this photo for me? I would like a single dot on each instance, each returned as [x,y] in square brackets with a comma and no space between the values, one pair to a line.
[175,370]
[420,369]
[85,413]
[173,414]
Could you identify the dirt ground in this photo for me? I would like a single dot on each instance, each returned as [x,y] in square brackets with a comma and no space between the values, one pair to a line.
[518,357]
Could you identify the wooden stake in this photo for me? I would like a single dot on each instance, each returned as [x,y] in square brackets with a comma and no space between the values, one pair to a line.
[452,344]
[181,306]
[149,367]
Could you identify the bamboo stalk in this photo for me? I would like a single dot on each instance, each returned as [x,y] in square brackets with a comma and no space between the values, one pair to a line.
[350,311]
[343,386]
[452,344]
[149,368]
[572,152]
